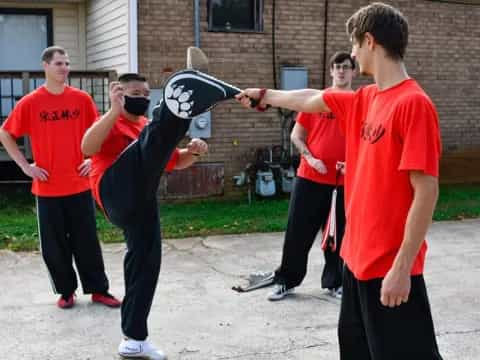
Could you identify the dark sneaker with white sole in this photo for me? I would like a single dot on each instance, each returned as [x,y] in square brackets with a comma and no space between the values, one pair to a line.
[280,291]
[189,93]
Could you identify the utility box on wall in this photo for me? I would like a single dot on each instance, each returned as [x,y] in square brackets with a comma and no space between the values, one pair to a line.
[293,77]
[201,126]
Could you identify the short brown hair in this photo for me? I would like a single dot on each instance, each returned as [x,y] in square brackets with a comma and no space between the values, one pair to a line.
[386,24]
[339,57]
[49,52]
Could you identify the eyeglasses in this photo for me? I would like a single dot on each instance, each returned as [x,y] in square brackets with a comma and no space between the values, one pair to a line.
[343,67]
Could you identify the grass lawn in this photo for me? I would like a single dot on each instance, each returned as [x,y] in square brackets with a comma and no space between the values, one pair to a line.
[18,229]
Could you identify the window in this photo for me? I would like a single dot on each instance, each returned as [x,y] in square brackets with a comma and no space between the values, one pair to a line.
[31,32]
[24,33]
[235,15]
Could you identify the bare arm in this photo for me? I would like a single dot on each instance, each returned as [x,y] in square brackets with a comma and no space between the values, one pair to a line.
[396,285]
[419,218]
[95,136]
[190,154]
[299,139]
[306,100]
[11,146]
[185,159]
[12,149]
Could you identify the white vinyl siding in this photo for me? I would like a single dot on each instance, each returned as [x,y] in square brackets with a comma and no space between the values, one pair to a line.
[107,35]
[68,29]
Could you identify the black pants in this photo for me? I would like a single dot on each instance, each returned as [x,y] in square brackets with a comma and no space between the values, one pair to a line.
[367,330]
[67,229]
[308,213]
[128,193]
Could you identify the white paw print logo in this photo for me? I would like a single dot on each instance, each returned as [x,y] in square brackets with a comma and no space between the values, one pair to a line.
[178,101]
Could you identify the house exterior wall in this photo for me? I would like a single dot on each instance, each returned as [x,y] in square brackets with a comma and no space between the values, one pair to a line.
[107,35]
[443,55]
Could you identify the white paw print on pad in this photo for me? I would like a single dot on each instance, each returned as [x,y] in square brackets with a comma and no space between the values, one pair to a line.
[178,101]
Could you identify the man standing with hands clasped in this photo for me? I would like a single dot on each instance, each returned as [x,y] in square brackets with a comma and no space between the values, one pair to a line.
[322,145]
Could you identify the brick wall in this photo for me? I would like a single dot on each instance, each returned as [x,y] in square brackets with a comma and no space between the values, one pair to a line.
[443,55]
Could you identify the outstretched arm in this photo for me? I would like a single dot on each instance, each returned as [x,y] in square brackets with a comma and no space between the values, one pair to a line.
[95,136]
[306,100]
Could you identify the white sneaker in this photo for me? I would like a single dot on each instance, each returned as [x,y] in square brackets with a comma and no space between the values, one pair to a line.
[129,348]
[279,292]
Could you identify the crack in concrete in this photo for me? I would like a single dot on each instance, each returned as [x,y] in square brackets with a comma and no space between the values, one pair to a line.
[288,350]
[202,243]
[208,247]
[175,248]
[188,351]
[205,262]
[324,298]
[195,244]
[459,332]
[219,271]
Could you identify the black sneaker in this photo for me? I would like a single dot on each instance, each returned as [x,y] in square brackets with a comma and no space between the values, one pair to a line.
[279,292]
[189,93]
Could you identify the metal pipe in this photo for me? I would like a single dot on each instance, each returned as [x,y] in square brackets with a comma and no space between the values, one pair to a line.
[133,35]
[325,38]
[274,53]
[196,22]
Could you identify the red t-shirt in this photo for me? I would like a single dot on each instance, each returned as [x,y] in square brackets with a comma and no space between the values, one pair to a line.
[122,134]
[55,124]
[326,142]
[388,133]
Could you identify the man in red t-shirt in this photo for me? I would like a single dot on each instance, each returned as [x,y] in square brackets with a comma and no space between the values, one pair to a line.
[322,145]
[391,187]
[55,117]
[129,155]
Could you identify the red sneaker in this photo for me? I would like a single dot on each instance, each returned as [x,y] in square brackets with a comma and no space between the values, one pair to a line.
[66,303]
[106,299]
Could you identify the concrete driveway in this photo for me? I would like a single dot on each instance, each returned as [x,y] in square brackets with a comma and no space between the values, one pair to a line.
[196,315]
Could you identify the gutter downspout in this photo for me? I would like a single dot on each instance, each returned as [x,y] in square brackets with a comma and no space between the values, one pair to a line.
[325,35]
[196,22]
[274,45]
[133,36]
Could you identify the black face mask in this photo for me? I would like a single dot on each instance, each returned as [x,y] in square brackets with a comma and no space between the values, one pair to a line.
[136,105]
